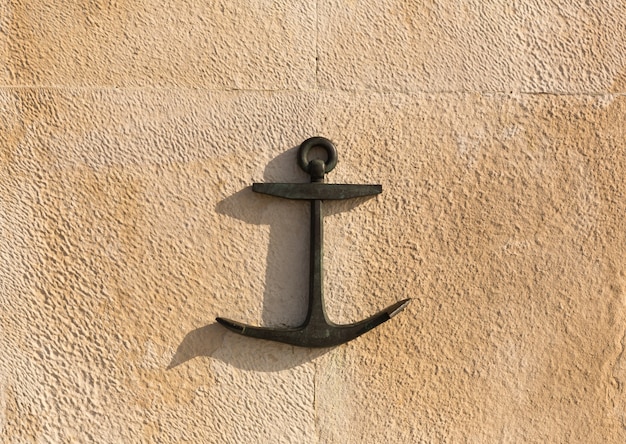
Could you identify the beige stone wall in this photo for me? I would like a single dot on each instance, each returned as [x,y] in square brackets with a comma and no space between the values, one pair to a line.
[130,132]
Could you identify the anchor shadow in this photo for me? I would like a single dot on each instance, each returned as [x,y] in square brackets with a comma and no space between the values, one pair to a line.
[242,352]
[285,297]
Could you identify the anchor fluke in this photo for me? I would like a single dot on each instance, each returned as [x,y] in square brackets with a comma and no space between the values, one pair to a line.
[317,330]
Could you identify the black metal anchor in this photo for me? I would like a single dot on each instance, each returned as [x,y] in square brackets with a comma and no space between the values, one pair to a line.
[317,330]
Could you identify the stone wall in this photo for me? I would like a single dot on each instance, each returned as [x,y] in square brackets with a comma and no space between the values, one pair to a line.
[130,133]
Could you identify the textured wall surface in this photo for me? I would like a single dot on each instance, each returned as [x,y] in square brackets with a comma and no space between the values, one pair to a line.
[130,133]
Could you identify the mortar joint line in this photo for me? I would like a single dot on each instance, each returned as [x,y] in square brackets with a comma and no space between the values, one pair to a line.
[315,417]
[317,43]
[113,88]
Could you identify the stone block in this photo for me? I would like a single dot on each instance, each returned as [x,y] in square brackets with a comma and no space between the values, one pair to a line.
[155,43]
[474,45]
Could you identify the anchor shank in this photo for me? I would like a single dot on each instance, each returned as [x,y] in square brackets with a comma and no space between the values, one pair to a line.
[316,313]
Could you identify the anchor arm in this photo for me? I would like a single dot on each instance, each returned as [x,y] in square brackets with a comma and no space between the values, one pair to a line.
[310,335]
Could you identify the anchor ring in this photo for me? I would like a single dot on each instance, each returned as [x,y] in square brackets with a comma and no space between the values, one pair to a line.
[305,147]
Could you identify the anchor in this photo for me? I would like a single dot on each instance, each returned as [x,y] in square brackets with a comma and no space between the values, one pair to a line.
[317,330]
